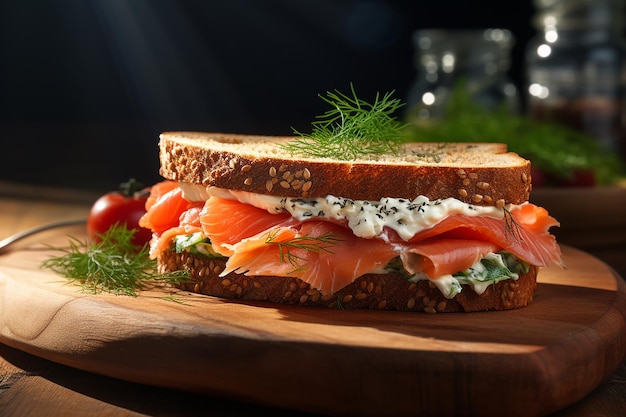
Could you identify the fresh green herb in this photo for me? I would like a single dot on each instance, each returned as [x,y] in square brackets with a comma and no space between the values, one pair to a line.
[516,265]
[395,265]
[174,299]
[338,303]
[493,268]
[430,155]
[112,265]
[554,149]
[352,128]
[511,226]
[319,244]
[196,244]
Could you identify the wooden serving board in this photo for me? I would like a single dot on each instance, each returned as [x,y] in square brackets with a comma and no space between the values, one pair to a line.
[525,362]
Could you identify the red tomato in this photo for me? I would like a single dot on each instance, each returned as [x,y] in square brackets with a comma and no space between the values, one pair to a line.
[122,207]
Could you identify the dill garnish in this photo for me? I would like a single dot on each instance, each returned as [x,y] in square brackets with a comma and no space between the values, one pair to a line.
[113,265]
[431,155]
[352,128]
[318,244]
[511,226]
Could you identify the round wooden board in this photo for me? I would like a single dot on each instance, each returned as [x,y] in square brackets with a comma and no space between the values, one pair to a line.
[525,362]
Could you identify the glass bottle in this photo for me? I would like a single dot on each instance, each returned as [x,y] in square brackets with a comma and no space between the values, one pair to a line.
[478,60]
[575,68]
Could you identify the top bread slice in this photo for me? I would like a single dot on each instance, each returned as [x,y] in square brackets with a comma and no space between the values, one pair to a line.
[476,173]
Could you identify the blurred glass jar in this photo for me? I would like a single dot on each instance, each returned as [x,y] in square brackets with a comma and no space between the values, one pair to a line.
[477,60]
[575,67]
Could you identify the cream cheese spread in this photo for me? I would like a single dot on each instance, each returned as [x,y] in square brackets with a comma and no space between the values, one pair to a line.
[367,219]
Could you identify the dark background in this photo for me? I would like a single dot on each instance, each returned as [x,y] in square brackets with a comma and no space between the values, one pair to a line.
[86,86]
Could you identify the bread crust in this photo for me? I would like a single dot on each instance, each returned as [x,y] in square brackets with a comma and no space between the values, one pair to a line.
[189,157]
[371,291]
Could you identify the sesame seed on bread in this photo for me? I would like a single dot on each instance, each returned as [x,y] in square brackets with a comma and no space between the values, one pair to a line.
[390,291]
[475,173]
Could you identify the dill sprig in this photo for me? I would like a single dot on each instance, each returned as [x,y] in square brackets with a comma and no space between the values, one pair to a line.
[319,244]
[511,226]
[352,128]
[113,265]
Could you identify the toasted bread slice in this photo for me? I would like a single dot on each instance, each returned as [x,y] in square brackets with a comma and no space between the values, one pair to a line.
[475,173]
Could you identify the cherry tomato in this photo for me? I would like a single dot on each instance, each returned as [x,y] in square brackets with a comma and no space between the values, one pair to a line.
[125,206]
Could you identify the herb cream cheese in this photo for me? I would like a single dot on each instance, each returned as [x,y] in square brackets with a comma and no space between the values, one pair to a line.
[367,219]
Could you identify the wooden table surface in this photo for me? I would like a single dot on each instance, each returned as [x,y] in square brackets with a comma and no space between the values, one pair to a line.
[32,386]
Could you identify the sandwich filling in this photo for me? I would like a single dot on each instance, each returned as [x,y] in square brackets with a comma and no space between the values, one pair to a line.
[331,241]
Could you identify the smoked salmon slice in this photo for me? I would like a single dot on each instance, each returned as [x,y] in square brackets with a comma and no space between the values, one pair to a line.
[227,222]
[325,255]
[437,257]
[168,215]
[164,212]
[157,191]
[523,232]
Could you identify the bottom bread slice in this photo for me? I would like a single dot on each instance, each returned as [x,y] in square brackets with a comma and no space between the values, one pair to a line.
[390,291]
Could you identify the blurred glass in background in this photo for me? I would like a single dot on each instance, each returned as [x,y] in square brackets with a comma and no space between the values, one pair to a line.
[575,68]
[477,60]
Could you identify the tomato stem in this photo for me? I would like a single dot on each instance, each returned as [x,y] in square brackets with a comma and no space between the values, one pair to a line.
[131,187]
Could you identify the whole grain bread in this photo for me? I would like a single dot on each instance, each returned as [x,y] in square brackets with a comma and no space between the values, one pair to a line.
[371,291]
[476,173]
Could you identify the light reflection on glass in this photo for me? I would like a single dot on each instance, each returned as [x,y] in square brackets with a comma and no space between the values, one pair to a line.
[428,98]
[551,36]
[477,58]
[538,90]
[448,61]
[544,50]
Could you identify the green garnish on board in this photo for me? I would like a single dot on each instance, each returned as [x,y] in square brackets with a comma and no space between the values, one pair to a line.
[114,265]
[352,128]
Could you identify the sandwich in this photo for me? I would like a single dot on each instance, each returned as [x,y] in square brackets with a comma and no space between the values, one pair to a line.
[434,227]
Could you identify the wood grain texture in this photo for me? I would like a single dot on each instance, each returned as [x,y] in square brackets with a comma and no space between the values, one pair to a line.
[525,362]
